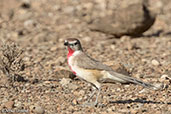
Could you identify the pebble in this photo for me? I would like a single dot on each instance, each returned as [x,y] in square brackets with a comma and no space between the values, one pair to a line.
[124,111]
[29,23]
[155,62]
[143,91]
[158,86]
[118,89]
[76,93]
[144,60]
[113,47]
[74,102]
[72,86]
[9,104]
[109,110]
[164,77]
[24,15]
[38,110]
[127,86]
[65,81]
[53,48]
[18,104]
[125,38]
[82,92]
[80,98]
[47,82]
[87,39]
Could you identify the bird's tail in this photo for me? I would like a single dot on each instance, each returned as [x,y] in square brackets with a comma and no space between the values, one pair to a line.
[126,79]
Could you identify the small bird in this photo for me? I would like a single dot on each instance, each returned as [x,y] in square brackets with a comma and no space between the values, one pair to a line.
[93,71]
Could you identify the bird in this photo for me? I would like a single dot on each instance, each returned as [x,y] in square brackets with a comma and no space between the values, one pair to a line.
[93,71]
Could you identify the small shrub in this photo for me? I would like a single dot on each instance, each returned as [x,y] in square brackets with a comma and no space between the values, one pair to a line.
[11,62]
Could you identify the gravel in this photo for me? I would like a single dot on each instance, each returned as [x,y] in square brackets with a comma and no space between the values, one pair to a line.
[40,31]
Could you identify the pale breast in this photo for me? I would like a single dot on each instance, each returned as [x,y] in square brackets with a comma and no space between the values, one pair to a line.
[80,72]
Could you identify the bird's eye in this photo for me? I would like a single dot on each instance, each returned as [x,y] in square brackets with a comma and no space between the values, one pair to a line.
[75,43]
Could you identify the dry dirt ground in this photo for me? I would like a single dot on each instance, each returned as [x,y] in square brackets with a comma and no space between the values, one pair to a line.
[40,27]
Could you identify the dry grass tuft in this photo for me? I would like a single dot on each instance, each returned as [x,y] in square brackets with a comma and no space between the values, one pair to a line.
[11,62]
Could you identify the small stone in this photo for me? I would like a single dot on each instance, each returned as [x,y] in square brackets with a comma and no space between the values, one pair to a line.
[72,86]
[159,86]
[76,93]
[65,81]
[143,91]
[80,98]
[134,111]
[144,60]
[155,62]
[82,92]
[118,89]
[9,104]
[18,104]
[47,82]
[24,15]
[164,77]
[124,111]
[74,102]
[29,23]
[127,86]
[109,110]
[113,46]
[38,110]
[125,38]
[54,48]
[14,34]
[87,39]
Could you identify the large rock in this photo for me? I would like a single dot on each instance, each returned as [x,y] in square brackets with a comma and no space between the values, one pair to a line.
[132,20]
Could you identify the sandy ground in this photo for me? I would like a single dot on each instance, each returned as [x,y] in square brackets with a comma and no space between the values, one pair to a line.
[40,28]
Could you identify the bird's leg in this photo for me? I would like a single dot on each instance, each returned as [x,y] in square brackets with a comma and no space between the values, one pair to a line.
[96,101]
[97,86]
[93,93]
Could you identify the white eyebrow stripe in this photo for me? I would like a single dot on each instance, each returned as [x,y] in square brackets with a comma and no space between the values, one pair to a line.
[72,42]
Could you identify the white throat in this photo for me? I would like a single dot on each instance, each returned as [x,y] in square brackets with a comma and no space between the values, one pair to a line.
[76,53]
[80,72]
[71,58]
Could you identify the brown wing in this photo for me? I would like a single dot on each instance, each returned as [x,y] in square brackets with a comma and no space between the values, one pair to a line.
[84,61]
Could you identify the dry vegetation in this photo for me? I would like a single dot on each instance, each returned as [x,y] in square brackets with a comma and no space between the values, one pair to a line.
[11,62]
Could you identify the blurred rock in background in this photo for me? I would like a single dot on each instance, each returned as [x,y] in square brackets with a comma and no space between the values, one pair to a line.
[130,18]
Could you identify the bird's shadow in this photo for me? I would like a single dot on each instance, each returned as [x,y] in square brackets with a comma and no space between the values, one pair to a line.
[138,101]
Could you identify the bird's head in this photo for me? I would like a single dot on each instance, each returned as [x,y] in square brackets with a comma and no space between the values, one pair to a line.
[73,45]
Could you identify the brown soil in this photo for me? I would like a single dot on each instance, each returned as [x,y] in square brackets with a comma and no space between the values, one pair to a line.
[40,28]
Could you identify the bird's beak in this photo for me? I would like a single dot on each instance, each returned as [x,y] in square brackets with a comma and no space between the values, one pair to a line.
[65,43]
